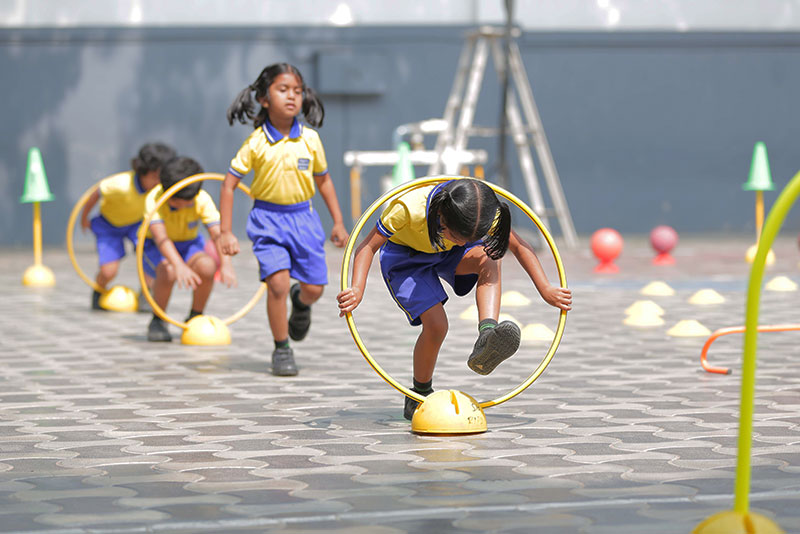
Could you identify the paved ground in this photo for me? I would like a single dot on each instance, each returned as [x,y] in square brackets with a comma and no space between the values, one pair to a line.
[102,432]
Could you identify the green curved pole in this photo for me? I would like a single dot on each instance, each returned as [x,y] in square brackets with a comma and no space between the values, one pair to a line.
[774,222]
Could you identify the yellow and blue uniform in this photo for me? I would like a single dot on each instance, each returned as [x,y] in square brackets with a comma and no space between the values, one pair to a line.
[285,230]
[122,201]
[182,226]
[410,265]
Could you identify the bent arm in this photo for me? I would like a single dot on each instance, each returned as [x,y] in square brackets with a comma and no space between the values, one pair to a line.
[351,297]
[557,296]
[88,206]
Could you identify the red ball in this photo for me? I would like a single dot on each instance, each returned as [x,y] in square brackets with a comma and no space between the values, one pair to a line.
[663,239]
[606,244]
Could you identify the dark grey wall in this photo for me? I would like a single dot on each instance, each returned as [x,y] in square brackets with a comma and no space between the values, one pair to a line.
[645,128]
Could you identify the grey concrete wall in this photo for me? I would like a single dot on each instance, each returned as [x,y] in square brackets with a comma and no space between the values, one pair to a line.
[645,128]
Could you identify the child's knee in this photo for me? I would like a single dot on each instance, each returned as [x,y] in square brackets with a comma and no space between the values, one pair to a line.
[165,271]
[278,284]
[436,326]
[204,266]
[312,293]
[109,270]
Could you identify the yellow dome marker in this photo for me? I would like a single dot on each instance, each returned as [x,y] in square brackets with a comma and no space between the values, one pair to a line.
[515,299]
[643,319]
[470,314]
[537,332]
[119,299]
[781,283]
[688,328]
[448,412]
[705,297]
[644,307]
[657,289]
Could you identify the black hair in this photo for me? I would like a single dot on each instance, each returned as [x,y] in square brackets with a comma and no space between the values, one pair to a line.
[151,157]
[243,106]
[470,208]
[176,170]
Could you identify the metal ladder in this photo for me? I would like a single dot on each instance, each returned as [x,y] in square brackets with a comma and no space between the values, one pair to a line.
[461,105]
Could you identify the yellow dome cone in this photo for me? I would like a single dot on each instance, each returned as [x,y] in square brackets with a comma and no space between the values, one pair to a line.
[537,332]
[448,412]
[732,522]
[206,330]
[514,299]
[706,297]
[643,319]
[688,328]
[119,299]
[781,283]
[644,307]
[657,289]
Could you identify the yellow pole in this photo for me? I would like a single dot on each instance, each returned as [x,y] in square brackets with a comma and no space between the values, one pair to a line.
[37,234]
[759,214]
[355,193]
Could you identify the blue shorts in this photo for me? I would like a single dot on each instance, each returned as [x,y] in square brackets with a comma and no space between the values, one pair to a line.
[414,278]
[111,239]
[288,237]
[153,256]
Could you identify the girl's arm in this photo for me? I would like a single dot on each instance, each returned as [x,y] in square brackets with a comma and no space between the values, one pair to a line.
[183,274]
[351,297]
[227,274]
[559,297]
[87,208]
[339,234]
[227,242]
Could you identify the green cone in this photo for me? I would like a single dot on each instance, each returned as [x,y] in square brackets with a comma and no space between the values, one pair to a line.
[403,170]
[760,178]
[36,188]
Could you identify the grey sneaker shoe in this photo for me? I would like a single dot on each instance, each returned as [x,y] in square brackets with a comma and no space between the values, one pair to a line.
[299,320]
[96,301]
[283,362]
[494,345]
[157,331]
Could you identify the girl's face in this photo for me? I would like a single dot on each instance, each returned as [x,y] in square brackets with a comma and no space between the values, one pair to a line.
[285,97]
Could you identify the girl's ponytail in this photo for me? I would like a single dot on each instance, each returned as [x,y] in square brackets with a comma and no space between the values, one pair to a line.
[313,110]
[242,107]
[495,244]
[434,209]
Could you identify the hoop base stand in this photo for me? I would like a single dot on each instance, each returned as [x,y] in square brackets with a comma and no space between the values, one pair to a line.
[38,275]
[733,522]
[449,412]
[119,299]
[206,330]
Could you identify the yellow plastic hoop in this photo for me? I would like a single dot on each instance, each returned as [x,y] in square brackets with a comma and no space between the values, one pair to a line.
[140,237]
[71,230]
[345,282]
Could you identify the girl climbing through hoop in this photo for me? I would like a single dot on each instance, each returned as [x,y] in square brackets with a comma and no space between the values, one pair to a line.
[288,159]
[457,231]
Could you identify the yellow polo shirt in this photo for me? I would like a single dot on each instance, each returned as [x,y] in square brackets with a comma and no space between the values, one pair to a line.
[182,224]
[284,167]
[405,220]
[122,199]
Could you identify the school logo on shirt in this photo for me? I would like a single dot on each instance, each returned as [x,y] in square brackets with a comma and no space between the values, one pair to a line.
[303,163]
[192,225]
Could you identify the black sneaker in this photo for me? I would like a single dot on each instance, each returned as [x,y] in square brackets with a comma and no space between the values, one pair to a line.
[494,345]
[299,320]
[411,405]
[283,362]
[157,331]
[96,301]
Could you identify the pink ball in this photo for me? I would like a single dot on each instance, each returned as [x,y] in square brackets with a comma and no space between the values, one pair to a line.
[606,244]
[663,239]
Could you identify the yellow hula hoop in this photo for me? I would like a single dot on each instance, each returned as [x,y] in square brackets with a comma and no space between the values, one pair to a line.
[73,217]
[140,237]
[345,283]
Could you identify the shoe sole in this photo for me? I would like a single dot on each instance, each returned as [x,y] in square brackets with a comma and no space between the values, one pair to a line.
[279,372]
[501,346]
